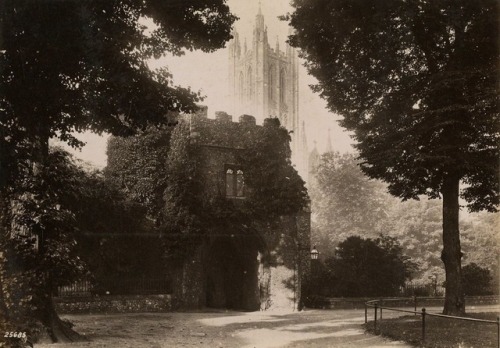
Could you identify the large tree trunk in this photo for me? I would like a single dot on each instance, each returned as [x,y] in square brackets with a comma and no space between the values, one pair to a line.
[58,330]
[454,303]
[4,313]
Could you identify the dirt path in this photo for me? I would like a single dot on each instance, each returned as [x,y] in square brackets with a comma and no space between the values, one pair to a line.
[312,328]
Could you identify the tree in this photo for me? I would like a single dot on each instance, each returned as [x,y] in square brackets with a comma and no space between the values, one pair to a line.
[477,280]
[365,267]
[110,226]
[481,240]
[276,189]
[137,165]
[69,66]
[40,251]
[346,202]
[417,225]
[417,83]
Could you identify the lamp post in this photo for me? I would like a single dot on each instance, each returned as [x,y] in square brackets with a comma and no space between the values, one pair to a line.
[314,253]
[312,282]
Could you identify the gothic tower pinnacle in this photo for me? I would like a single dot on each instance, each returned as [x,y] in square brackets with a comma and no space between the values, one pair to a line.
[263,82]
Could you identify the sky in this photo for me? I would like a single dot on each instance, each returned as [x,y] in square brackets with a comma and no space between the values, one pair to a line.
[207,73]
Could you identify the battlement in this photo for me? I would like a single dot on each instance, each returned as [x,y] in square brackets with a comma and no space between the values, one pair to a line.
[220,116]
[247,120]
[223,131]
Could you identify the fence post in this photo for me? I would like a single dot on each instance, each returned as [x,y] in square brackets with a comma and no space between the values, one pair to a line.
[415,303]
[375,324]
[366,313]
[423,325]
[381,305]
[498,331]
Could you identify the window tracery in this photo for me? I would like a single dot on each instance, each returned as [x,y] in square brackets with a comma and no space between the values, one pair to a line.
[235,182]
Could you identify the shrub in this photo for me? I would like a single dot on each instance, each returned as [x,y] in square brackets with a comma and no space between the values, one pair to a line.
[476,280]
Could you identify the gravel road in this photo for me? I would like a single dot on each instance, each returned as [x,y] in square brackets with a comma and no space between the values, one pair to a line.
[310,328]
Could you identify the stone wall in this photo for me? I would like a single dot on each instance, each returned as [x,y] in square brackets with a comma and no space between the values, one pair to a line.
[189,287]
[247,265]
[114,304]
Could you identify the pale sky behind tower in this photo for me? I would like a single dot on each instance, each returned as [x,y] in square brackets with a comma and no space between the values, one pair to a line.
[208,73]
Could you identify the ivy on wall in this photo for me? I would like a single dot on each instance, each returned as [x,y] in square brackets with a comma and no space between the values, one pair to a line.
[273,186]
[276,188]
[183,211]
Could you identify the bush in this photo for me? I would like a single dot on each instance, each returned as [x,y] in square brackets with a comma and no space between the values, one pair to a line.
[362,267]
[476,280]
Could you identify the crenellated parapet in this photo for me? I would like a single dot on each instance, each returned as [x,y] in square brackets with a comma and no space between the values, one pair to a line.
[249,206]
[224,131]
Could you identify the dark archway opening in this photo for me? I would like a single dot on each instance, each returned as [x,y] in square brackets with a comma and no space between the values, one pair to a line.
[233,274]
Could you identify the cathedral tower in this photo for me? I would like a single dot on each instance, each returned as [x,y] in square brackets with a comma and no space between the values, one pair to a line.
[263,82]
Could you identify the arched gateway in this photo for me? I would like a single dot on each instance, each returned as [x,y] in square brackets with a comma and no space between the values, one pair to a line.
[236,272]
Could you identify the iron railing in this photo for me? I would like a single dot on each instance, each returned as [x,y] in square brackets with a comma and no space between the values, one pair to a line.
[118,286]
[378,305]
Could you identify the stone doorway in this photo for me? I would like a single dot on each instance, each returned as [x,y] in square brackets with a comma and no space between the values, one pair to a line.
[233,279]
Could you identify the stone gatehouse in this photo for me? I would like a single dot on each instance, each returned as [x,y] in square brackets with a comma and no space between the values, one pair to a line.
[247,267]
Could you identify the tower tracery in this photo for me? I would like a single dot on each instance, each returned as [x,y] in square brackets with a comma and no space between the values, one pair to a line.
[263,82]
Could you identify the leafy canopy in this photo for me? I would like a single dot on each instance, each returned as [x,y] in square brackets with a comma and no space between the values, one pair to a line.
[138,165]
[477,280]
[69,66]
[275,187]
[416,81]
[40,252]
[364,267]
[346,202]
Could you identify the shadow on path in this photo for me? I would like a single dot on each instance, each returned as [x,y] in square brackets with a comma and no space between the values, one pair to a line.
[311,328]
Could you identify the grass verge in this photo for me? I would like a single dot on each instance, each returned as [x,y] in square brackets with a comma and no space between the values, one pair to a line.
[440,332]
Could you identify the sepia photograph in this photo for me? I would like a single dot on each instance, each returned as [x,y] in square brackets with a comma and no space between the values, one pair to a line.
[249,173]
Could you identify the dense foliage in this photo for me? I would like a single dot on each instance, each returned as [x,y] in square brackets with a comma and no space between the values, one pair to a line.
[418,88]
[275,187]
[184,208]
[89,60]
[137,165]
[477,280]
[69,66]
[75,226]
[40,252]
[347,203]
[362,267]
[193,210]
[417,83]
[418,227]
[110,227]
[481,240]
